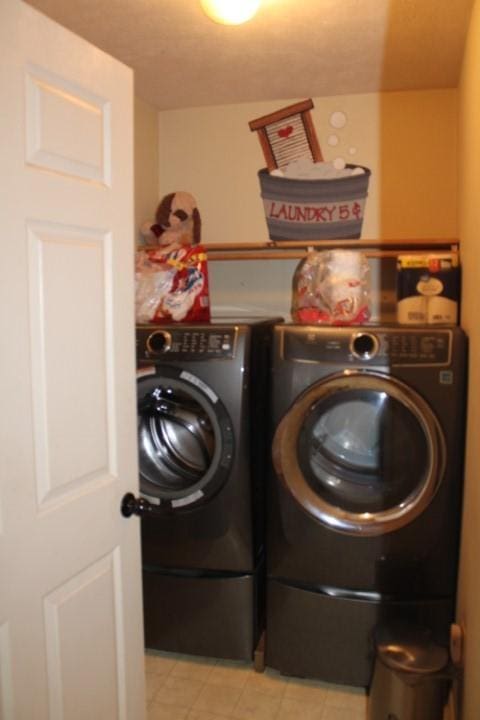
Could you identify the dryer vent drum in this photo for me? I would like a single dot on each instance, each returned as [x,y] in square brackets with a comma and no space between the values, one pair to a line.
[363,453]
[176,440]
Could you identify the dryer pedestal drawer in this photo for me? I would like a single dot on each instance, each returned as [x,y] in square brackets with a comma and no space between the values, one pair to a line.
[312,634]
[211,615]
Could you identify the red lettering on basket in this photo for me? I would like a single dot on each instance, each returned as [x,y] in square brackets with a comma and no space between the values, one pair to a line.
[357,210]
[314,213]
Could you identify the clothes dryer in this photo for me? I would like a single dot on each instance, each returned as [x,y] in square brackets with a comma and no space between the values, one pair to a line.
[202,405]
[365,494]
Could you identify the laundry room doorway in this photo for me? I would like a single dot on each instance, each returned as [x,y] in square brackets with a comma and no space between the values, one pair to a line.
[71,634]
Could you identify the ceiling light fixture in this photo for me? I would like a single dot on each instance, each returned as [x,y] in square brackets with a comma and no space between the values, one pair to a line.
[230,12]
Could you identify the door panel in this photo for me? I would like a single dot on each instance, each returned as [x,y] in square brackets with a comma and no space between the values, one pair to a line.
[77,394]
[70,611]
[68,128]
[80,616]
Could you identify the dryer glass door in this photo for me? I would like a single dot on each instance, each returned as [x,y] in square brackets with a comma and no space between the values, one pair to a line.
[362,453]
[185,439]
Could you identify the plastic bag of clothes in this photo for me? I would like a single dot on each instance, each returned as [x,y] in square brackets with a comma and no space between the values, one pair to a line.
[331,287]
[172,285]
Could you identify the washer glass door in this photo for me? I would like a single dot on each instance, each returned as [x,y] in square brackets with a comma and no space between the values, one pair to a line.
[363,453]
[185,439]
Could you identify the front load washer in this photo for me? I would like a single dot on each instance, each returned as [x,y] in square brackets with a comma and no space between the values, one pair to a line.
[202,405]
[365,494]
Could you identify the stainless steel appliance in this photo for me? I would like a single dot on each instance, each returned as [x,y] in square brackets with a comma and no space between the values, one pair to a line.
[365,494]
[202,414]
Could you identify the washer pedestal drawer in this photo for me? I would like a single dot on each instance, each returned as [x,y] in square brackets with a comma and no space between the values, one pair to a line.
[331,638]
[209,615]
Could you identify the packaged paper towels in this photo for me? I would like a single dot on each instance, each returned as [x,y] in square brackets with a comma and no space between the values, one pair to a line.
[428,289]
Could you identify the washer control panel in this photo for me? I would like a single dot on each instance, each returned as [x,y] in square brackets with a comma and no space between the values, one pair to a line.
[365,346]
[187,343]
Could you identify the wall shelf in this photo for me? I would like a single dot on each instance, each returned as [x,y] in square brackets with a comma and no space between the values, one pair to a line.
[295,250]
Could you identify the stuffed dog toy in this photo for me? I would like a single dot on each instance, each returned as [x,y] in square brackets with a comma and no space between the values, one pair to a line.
[177,222]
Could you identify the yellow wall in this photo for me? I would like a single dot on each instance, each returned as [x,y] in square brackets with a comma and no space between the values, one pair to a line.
[407,139]
[146,161]
[418,164]
[469,225]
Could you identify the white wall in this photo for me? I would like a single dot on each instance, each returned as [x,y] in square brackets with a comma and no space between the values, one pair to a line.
[407,139]
[146,161]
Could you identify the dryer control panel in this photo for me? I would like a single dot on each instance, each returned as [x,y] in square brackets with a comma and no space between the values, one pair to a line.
[364,346]
[418,348]
[187,343]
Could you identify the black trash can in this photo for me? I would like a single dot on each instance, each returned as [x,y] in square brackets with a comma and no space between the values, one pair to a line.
[411,676]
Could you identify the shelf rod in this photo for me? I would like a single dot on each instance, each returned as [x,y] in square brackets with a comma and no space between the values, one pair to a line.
[217,255]
[426,243]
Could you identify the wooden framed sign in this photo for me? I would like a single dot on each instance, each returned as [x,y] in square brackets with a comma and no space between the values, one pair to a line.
[288,134]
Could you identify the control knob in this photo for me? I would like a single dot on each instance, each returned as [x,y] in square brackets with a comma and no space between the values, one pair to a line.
[159,342]
[364,345]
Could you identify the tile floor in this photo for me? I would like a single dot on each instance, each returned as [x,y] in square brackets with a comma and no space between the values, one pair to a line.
[183,687]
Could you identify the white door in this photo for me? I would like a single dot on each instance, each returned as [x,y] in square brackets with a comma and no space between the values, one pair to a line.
[71,638]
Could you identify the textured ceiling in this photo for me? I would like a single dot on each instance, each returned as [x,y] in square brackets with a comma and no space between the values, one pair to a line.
[293,48]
